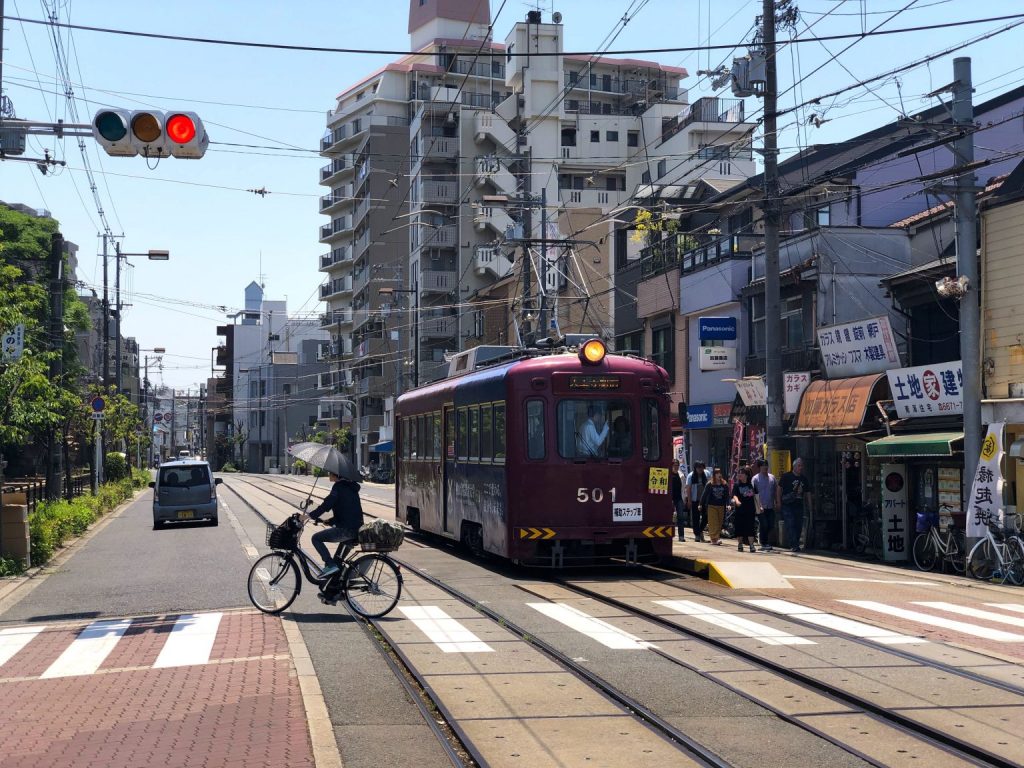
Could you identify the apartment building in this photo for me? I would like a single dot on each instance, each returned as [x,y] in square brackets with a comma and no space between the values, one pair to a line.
[475,195]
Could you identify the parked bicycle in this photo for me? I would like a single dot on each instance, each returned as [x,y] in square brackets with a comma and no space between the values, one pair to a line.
[931,547]
[369,581]
[867,532]
[999,555]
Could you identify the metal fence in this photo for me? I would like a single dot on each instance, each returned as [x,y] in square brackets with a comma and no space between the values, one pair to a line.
[34,488]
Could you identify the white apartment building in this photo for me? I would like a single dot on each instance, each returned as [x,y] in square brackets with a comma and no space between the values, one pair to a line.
[444,165]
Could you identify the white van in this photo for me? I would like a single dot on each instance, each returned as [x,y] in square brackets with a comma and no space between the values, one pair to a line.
[184,455]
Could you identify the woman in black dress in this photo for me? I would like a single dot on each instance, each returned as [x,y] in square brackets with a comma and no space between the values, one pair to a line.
[744,510]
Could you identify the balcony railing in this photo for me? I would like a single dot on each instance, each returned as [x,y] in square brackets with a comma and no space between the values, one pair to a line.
[439,148]
[336,318]
[479,69]
[437,327]
[442,237]
[437,281]
[707,109]
[689,252]
[595,108]
[440,192]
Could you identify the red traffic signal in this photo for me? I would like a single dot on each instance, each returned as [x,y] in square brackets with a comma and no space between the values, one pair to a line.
[150,133]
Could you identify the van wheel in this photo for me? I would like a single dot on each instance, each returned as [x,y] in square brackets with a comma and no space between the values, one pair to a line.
[213,523]
[473,539]
[157,525]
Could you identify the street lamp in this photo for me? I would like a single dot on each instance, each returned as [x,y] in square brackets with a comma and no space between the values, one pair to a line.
[152,255]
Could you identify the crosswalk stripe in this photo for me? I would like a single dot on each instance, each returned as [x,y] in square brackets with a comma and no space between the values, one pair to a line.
[190,641]
[85,655]
[737,624]
[837,623]
[596,629]
[929,619]
[974,613]
[449,635]
[14,639]
[1007,606]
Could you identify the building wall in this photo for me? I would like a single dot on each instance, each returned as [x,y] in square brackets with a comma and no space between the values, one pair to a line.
[1002,287]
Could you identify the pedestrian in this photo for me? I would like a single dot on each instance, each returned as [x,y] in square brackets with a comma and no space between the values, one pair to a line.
[790,498]
[766,486]
[343,502]
[712,502]
[744,509]
[695,483]
[675,483]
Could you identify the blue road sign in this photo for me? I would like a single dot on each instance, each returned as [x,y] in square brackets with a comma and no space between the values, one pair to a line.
[98,404]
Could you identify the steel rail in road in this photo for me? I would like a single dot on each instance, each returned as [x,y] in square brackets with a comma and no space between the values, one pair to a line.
[938,738]
[415,694]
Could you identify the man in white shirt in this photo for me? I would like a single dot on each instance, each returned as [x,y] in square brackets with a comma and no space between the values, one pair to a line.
[594,432]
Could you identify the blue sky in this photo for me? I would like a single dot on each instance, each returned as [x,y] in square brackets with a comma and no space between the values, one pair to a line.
[222,237]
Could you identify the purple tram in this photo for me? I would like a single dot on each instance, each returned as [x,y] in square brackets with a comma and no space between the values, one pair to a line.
[547,459]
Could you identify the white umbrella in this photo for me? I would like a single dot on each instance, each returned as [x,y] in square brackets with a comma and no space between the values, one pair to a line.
[325,457]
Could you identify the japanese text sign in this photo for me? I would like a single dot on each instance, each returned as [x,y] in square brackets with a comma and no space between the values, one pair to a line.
[793,386]
[13,344]
[856,349]
[927,390]
[985,503]
[657,480]
[897,534]
[752,391]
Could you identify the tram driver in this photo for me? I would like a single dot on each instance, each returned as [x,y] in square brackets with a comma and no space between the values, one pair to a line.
[594,433]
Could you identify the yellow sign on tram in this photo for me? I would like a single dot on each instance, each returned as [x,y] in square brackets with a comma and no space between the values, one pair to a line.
[657,481]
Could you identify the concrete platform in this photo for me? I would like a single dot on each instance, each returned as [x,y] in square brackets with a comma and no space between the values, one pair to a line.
[725,566]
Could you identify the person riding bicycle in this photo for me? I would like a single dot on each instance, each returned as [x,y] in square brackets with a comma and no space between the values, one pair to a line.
[343,501]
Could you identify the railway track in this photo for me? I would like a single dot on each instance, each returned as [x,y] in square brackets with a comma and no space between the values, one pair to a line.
[904,723]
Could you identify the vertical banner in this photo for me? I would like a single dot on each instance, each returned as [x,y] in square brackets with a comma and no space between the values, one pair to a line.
[897,533]
[679,453]
[779,462]
[985,504]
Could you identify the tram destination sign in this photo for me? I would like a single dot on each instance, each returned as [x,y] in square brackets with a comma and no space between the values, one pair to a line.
[594,382]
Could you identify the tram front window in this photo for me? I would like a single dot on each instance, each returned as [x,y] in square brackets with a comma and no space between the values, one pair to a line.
[589,429]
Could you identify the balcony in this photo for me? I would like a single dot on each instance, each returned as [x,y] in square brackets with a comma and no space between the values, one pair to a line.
[443,192]
[591,198]
[806,359]
[574,106]
[438,327]
[437,281]
[336,166]
[708,109]
[338,286]
[479,69]
[490,169]
[330,202]
[371,385]
[491,126]
[332,320]
[340,255]
[494,217]
[491,259]
[442,237]
[439,149]
[341,225]
[371,423]
[688,252]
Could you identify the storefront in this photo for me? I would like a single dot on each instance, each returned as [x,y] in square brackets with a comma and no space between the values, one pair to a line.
[709,433]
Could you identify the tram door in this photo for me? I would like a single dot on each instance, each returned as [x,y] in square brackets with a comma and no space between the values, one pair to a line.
[447,466]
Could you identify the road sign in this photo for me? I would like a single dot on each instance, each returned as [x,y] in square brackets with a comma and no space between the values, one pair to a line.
[97,415]
[158,417]
[98,404]
[167,416]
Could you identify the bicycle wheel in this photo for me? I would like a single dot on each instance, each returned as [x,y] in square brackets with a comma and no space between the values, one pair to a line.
[274,582]
[956,550]
[925,552]
[1015,561]
[982,561]
[372,585]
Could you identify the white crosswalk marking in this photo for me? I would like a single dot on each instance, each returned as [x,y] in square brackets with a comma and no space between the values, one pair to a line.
[85,655]
[837,623]
[737,624]
[974,613]
[928,619]
[1007,606]
[596,629]
[449,635]
[190,641]
[14,639]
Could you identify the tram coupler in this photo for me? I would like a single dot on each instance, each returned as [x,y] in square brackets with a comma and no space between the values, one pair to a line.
[557,555]
[632,553]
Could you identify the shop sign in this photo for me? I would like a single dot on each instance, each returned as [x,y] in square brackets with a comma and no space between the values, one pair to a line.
[779,462]
[928,390]
[717,358]
[721,414]
[896,530]
[679,453]
[752,391]
[13,344]
[856,349]
[716,328]
[708,416]
[986,499]
[793,386]
[949,494]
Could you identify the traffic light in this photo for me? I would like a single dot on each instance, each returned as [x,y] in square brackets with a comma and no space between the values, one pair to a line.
[150,133]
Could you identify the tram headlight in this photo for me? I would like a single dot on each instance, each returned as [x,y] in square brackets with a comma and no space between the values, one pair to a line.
[592,352]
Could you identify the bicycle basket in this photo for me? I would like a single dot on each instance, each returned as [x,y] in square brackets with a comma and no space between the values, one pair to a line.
[927,520]
[286,535]
[381,536]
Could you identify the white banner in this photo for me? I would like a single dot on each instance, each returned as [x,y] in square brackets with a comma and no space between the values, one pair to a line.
[752,391]
[897,530]
[794,384]
[13,344]
[927,390]
[856,349]
[985,504]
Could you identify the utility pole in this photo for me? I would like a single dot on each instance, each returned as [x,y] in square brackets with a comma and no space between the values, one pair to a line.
[967,263]
[53,464]
[117,322]
[527,335]
[416,333]
[772,217]
[106,319]
[542,278]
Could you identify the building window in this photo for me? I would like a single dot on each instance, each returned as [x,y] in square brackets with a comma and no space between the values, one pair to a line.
[645,177]
[569,137]
[793,322]
[611,135]
[630,344]
[662,167]
[633,139]
[757,346]
[535,429]
[595,136]
[662,351]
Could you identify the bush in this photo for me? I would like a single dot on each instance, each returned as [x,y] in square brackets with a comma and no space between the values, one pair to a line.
[10,566]
[116,466]
[228,467]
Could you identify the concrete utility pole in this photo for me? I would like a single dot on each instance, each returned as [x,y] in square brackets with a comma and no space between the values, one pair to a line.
[106,319]
[53,464]
[117,321]
[967,264]
[772,218]
[542,279]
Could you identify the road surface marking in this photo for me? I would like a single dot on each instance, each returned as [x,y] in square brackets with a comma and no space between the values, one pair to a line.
[595,629]
[85,655]
[737,624]
[14,639]
[975,613]
[837,623]
[1007,606]
[190,641]
[938,621]
[916,582]
[449,635]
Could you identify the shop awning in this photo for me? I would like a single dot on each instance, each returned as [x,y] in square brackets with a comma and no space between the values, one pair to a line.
[836,405]
[923,444]
[384,446]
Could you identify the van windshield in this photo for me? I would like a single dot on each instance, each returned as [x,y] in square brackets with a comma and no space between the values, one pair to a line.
[184,477]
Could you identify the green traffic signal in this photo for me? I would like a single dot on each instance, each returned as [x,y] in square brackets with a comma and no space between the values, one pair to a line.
[111,126]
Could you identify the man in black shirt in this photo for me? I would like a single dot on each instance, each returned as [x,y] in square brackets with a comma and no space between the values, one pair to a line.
[792,491]
[343,501]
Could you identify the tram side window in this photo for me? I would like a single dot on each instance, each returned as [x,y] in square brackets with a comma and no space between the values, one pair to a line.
[403,425]
[436,453]
[449,439]
[474,434]
[651,430]
[499,432]
[594,429]
[535,429]
[462,445]
[485,432]
[412,438]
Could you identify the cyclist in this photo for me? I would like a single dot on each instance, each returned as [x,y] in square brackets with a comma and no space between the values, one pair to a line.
[343,501]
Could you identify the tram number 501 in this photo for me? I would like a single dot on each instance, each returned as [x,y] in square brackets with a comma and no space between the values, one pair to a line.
[583,495]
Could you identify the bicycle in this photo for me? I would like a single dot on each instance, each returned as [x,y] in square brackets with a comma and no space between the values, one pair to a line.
[931,546]
[867,532]
[999,555]
[369,581]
